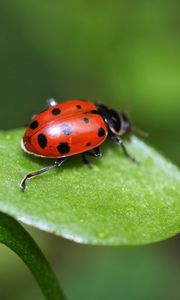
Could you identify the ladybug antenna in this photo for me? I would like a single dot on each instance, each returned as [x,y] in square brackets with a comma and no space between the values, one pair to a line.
[139,132]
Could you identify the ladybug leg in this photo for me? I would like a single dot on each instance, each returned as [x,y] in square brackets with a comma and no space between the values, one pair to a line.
[119,141]
[85,160]
[96,153]
[57,163]
[51,102]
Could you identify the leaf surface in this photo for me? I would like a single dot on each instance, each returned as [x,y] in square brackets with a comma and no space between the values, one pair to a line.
[117,202]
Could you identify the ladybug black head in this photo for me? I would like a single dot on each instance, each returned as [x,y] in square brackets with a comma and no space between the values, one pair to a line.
[117,122]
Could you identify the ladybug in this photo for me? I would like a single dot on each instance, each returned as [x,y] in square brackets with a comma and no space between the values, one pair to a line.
[73,127]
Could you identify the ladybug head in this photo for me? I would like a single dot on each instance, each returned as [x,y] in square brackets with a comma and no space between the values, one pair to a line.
[117,122]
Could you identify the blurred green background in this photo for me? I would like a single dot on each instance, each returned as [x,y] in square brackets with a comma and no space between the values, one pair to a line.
[126,54]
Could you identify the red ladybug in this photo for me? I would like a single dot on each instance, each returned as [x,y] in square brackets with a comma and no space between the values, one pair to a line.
[72,127]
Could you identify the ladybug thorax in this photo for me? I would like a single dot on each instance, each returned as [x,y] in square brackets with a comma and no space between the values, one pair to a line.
[117,122]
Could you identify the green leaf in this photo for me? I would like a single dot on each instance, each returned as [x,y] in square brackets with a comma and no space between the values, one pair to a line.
[115,203]
[14,236]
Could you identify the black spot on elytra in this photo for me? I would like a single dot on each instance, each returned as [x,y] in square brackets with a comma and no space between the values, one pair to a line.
[88,144]
[66,129]
[78,106]
[42,140]
[86,120]
[34,125]
[63,148]
[101,132]
[56,111]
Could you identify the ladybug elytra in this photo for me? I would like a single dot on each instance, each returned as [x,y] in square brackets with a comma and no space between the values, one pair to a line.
[73,127]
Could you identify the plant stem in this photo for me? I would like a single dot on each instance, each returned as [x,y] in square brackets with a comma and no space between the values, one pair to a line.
[14,236]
